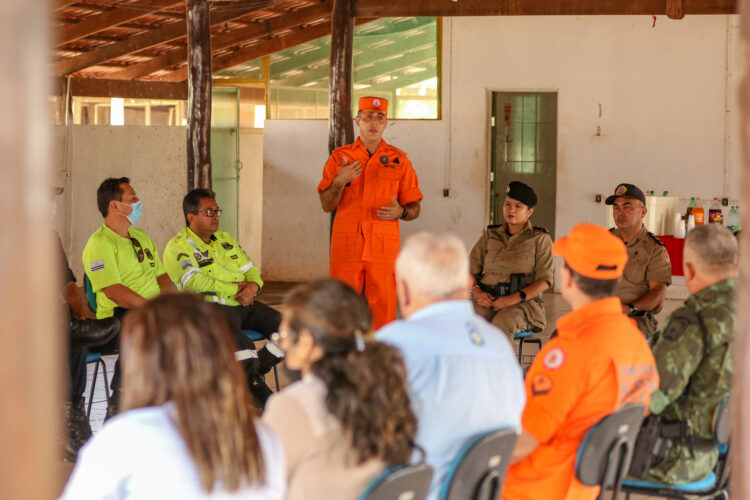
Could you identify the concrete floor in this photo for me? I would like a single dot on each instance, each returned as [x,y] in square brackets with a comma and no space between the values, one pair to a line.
[273,294]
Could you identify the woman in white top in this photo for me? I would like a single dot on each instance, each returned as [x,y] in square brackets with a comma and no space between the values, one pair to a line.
[350,414]
[186,430]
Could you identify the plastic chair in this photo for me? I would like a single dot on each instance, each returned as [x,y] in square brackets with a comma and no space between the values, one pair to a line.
[400,483]
[96,358]
[715,485]
[90,295]
[605,453]
[255,337]
[478,471]
[526,337]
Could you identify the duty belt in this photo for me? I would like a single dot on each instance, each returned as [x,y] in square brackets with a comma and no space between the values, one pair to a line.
[516,283]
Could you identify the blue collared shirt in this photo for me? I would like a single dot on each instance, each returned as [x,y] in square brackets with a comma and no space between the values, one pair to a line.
[463,375]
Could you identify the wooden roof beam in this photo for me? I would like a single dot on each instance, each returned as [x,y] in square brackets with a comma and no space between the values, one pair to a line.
[389,8]
[224,40]
[91,25]
[134,89]
[139,42]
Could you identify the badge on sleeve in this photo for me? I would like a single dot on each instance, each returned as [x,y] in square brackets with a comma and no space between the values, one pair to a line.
[474,335]
[185,264]
[554,359]
[541,384]
[97,265]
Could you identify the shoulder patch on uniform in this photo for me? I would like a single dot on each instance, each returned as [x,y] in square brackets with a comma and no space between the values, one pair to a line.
[542,229]
[541,384]
[554,359]
[186,263]
[655,238]
[475,336]
[97,265]
[678,322]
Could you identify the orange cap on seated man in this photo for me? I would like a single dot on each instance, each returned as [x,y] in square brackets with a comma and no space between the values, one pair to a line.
[592,251]
[370,104]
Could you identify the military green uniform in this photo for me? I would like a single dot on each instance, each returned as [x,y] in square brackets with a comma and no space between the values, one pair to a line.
[693,354]
[648,260]
[497,255]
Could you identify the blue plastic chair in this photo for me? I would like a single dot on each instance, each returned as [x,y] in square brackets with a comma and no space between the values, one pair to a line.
[96,358]
[714,485]
[411,482]
[478,471]
[526,337]
[255,337]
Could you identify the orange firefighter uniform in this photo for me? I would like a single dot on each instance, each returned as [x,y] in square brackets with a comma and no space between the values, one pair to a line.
[364,247]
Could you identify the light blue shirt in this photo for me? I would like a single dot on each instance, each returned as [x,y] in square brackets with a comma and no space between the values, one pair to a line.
[463,375]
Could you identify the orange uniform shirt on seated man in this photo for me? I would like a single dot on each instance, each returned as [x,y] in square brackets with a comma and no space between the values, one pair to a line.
[598,362]
[371,185]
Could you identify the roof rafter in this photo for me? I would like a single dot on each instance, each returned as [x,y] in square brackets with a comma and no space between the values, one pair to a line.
[139,42]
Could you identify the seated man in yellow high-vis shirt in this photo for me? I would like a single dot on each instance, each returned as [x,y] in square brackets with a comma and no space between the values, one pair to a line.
[202,259]
[121,262]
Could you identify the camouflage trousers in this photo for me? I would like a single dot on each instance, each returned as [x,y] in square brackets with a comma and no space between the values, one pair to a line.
[77,429]
[681,467]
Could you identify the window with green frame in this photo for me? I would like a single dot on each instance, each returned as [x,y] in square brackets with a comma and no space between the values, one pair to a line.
[395,58]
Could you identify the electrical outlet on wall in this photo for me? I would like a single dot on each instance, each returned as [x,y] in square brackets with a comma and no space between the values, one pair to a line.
[598,198]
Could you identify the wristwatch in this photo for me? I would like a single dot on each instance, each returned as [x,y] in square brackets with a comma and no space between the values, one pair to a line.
[633,309]
[523,295]
[405,213]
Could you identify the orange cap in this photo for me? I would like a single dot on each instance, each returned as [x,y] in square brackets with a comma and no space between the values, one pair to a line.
[592,251]
[370,104]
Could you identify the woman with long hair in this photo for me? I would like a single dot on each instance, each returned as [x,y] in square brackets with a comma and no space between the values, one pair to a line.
[187,428]
[349,416]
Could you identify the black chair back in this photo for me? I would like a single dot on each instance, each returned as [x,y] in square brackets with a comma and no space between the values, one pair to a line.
[479,470]
[405,483]
[605,453]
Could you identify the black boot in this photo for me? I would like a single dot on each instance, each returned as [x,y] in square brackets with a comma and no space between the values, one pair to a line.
[260,392]
[91,332]
[77,428]
[267,360]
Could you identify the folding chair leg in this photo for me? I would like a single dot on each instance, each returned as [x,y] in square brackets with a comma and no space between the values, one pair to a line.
[106,381]
[276,377]
[93,386]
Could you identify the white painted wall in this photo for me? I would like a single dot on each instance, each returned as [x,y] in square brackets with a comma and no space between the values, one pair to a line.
[669,122]
[153,157]
[251,193]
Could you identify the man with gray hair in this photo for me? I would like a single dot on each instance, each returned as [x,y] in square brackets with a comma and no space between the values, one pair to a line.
[463,373]
[693,353]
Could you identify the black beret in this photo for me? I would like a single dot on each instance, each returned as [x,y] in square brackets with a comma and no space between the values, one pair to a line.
[521,192]
[626,191]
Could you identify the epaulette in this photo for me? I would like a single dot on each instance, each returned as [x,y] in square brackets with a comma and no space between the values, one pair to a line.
[494,226]
[401,151]
[542,229]
[655,238]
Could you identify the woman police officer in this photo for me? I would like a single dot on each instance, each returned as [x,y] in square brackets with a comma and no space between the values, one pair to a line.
[512,266]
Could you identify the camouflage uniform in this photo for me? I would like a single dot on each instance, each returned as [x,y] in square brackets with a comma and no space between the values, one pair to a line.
[497,255]
[648,260]
[694,356]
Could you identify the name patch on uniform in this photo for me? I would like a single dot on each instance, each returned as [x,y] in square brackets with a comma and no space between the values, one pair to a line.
[186,263]
[97,265]
[474,335]
[541,384]
[554,359]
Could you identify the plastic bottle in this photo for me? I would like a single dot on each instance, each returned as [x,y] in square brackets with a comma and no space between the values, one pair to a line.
[698,212]
[690,206]
[733,220]
[691,222]
[714,213]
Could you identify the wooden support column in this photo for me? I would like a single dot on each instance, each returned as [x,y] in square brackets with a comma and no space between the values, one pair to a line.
[199,94]
[340,122]
[741,388]
[32,338]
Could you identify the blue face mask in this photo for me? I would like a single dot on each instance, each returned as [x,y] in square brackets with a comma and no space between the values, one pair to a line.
[135,214]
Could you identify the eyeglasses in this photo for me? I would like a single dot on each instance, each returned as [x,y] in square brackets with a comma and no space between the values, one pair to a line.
[137,248]
[210,212]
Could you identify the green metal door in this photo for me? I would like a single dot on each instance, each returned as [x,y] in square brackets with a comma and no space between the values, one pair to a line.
[225,155]
[524,148]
